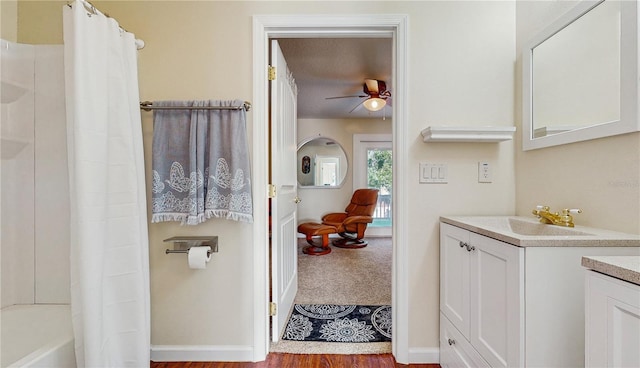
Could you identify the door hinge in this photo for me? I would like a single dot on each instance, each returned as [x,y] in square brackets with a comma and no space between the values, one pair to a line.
[273,309]
[272,73]
[272,191]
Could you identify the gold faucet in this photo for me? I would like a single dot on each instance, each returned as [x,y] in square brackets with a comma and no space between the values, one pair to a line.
[564,219]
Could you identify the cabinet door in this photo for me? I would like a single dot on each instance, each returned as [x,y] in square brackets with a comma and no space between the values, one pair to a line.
[454,276]
[455,350]
[496,301]
[612,322]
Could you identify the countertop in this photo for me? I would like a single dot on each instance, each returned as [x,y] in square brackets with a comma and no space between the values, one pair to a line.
[529,232]
[625,268]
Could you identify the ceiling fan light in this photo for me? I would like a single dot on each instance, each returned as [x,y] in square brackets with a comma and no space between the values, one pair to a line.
[374,104]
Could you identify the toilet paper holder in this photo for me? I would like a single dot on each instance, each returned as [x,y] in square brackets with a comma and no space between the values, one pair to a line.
[181,244]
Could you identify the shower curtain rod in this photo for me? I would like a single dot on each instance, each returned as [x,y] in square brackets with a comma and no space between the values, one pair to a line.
[148,106]
[92,10]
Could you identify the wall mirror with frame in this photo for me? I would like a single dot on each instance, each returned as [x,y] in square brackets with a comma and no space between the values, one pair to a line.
[322,163]
[580,76]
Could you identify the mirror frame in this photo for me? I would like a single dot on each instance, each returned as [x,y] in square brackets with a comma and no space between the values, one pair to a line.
[629,104]
[346,158]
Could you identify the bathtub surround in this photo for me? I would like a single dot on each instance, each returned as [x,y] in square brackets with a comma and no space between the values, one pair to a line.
[200,163]
[35,252]
[35,317]
[37,336]
[109,238]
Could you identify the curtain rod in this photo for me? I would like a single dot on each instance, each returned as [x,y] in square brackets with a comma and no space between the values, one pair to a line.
[92,10]
[148,106]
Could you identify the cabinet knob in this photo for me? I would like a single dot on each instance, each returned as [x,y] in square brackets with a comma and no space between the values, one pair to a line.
[451,342]
[462,244]
[470,248]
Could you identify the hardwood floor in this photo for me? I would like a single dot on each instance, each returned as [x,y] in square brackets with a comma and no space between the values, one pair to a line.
[283,360]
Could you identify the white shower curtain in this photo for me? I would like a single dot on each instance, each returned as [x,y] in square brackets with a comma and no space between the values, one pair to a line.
[109,240]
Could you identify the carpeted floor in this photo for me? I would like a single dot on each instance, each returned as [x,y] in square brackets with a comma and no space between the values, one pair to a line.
[344,276]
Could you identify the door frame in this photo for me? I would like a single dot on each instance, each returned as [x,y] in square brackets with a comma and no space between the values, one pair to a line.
[320,26]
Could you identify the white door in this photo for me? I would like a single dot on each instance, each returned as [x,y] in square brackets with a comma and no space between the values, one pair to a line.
[327,170]
[284,256]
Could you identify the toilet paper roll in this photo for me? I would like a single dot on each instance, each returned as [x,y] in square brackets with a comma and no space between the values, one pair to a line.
[198,257]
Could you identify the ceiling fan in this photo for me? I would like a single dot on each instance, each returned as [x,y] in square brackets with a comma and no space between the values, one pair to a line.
[376,93]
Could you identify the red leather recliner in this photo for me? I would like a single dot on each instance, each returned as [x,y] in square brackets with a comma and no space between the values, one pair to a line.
[352,223]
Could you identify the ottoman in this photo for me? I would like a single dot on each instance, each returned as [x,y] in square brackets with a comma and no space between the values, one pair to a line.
[311,229]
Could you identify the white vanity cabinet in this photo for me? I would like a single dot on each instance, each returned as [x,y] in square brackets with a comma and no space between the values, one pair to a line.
[480,300]
[612,321]
[509,299]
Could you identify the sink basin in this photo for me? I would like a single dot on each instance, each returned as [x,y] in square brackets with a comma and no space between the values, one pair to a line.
[522,227]
[529,231]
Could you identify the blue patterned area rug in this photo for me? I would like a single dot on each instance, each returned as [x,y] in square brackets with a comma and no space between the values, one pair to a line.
[339,323]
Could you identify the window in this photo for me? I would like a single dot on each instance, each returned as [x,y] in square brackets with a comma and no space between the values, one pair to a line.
[373,168]
[380,176]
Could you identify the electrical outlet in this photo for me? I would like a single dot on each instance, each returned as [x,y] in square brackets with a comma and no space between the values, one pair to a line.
[484,172]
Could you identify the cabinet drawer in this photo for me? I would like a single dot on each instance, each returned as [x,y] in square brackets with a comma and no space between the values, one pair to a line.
[455,350]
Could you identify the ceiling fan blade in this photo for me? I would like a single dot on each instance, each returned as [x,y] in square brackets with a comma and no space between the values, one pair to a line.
[358,105]
[333,98]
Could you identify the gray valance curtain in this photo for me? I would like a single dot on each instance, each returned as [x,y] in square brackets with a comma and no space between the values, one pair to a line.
[200,163]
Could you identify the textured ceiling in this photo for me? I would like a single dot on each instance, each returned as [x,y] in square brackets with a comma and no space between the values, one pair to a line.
[329,67]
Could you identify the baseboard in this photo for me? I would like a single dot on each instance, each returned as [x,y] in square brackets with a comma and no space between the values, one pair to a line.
[231,353]
[424,356]
[201,353]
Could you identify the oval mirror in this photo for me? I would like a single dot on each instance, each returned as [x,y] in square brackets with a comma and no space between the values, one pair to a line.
[322,163]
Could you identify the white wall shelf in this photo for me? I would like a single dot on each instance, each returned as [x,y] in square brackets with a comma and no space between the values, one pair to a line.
[468,134]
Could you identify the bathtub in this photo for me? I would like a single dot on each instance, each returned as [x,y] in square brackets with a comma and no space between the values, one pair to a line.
[37,336]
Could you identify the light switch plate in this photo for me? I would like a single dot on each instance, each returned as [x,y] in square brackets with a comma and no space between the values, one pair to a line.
[433,173]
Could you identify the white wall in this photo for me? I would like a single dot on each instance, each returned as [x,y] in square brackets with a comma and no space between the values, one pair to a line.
[317,202]
[35,192]
[461,73]
[601,176]
[9,20]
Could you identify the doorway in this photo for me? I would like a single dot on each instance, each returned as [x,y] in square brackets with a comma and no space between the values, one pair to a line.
[325,127]
[266,27]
